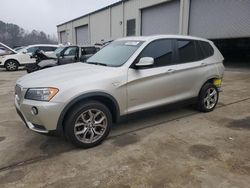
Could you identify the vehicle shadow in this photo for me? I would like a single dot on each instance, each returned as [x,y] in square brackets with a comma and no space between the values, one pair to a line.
[53,145]
[153,117]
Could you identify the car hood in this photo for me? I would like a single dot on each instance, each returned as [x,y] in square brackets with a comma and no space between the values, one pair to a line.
[65,75]
[5,46]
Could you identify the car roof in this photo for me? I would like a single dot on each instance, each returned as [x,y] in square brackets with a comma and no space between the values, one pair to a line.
[155,37]
[80,46]
[35,45]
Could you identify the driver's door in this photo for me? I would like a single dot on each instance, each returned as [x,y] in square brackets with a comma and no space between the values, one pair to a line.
[69,55]
[153,85]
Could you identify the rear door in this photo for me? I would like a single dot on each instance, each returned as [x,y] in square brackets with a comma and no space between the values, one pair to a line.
[190,68]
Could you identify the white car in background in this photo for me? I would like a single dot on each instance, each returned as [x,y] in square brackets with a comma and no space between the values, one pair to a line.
[18,48]
[47,48]
[13,60]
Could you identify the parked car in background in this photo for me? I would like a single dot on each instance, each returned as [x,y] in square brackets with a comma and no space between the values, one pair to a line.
[15,60]
[83,100]
[18,48]
[62,56]
[47,48]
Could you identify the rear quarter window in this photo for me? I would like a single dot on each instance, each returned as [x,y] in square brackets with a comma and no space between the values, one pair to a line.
[206,48]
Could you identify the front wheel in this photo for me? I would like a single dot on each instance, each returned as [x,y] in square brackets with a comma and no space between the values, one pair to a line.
[11,65]
[88,124]
[208,98]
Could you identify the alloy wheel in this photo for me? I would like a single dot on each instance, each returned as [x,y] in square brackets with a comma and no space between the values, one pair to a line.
[11,65]
[90,126]
[211,97]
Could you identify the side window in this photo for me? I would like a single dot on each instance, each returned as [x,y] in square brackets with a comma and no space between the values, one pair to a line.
[131,27]
[47,48]
[71,51]
[32,49]
[90,50]
[206,48]
[83,51]
[186,51]
[161,51]
[52,49]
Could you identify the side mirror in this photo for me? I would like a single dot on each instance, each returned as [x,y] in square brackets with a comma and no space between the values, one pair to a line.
[145,61]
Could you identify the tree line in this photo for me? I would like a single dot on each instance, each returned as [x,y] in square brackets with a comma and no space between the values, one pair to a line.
[12,35]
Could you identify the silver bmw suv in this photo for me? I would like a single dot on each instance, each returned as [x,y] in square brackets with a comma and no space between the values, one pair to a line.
[83,100]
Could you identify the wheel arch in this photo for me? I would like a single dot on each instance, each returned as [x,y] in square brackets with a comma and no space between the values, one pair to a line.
[209,80]
[11,59]
[102,97]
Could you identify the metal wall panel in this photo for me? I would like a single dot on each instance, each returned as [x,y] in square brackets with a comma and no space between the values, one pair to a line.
[161,19]
[82,37]
[215,19]
[63,37]
[117,21]
[100,26]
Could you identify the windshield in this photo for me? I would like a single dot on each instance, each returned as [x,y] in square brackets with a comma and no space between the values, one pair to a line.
[115,54]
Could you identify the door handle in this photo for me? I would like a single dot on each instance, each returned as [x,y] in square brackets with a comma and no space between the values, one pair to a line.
[169,71]
[203,64]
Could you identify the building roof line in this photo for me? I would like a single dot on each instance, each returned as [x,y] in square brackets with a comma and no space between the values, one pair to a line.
[98,10]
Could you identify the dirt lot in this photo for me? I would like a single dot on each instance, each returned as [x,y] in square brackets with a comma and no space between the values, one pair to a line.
[166,148]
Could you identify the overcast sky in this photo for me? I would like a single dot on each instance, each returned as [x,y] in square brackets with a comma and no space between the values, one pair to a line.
[46,14]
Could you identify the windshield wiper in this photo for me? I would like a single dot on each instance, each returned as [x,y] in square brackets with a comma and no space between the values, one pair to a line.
[96,63]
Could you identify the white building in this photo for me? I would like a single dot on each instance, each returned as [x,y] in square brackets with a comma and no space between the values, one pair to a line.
[213,19]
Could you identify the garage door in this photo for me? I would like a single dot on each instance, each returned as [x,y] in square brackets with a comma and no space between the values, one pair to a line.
[215,19]
[63,37]
[161,19]
[82,36]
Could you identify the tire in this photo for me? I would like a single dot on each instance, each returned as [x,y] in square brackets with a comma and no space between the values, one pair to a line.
[208,103]
[11,65]
[80,127]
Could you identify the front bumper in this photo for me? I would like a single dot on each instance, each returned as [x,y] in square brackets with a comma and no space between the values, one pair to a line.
[45,120]
[33,127]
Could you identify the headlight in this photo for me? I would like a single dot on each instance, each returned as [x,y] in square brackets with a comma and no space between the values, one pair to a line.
[41,94]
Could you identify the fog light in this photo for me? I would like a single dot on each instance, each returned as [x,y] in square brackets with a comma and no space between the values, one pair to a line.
[34,110]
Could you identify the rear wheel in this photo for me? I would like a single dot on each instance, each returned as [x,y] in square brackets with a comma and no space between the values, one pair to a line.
[11,65]
[208,98]
[88,124]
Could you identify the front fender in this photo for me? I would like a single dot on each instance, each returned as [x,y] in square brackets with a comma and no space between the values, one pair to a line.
[81,98]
